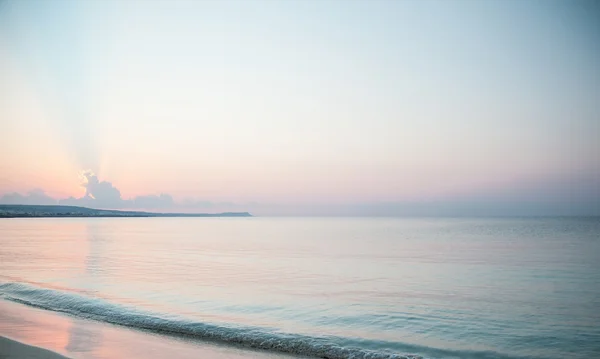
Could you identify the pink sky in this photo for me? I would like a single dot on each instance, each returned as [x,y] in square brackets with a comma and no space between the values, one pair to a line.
[387,102]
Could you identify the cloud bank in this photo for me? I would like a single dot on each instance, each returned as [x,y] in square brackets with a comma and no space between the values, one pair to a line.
[36,196]
[579,197]
[104,195]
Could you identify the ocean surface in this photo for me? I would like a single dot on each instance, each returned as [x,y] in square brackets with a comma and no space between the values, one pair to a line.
[321,287]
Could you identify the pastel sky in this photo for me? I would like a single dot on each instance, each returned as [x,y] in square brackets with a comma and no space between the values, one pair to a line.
[302,107]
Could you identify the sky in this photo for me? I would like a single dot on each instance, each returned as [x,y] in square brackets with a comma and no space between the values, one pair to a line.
[309,107]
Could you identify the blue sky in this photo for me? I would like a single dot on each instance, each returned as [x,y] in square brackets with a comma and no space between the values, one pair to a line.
[320,106]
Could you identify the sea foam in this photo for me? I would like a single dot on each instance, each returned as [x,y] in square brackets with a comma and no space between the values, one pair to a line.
[257,338]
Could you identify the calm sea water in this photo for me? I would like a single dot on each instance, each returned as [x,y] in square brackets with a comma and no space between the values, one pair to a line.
[322,287]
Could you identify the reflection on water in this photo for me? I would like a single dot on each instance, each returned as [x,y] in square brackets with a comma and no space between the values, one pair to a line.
[82,339]
[519,287]
[93,259]
[86,338]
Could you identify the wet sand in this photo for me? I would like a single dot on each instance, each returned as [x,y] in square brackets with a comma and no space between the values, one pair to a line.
[11,349]
[29,332]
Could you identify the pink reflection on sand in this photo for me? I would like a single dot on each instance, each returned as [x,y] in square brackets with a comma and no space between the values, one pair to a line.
[86,339]
[34,327]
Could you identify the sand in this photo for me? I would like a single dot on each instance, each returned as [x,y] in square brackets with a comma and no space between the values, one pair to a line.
[11,349]
[64,336]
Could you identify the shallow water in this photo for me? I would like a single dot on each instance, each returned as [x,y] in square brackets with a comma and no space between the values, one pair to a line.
[324,287]
[80,338]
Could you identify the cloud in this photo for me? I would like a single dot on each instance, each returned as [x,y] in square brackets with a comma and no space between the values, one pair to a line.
[575,196]
[103,193]
[153,202]
[36,196]
[192,203]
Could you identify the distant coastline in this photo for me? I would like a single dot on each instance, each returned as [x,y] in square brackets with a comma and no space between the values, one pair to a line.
[40,211]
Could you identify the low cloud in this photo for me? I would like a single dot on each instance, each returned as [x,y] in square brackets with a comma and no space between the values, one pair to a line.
[153,202]
[104,195]
[568,197]
[36,196]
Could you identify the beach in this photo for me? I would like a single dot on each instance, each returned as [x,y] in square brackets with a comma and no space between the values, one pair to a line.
[32,333]
[11,349]
[255,179]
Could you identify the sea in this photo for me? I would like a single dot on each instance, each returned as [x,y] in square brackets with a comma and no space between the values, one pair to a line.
[320,287]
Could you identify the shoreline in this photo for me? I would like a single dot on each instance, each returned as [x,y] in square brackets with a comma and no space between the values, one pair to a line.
[14,349]
[60,211]
[30,332]
[218,215]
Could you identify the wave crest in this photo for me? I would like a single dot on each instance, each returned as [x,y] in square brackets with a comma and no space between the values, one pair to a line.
[102,310]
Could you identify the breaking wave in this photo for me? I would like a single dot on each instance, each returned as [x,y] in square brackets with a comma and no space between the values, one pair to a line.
[257,338]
